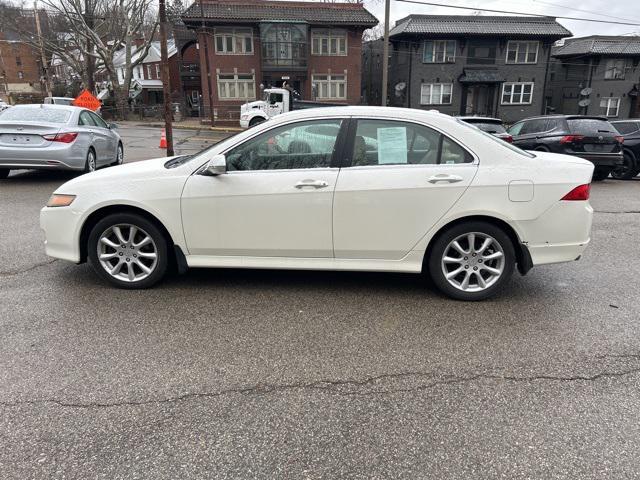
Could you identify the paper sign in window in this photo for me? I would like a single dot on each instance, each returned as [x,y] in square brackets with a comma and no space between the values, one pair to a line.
[392,145]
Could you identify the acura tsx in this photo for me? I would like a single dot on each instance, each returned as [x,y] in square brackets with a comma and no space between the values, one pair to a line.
[336,188]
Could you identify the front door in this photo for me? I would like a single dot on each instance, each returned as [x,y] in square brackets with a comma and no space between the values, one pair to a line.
[402,179]
[275,200]
[479,100]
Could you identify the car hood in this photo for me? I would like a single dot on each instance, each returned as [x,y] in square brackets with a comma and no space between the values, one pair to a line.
[128,173]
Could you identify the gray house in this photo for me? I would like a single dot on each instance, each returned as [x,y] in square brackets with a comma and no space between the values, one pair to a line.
[596,75]
[471,65]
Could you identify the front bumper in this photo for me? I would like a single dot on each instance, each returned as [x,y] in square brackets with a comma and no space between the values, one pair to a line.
[61,229]
[244,123]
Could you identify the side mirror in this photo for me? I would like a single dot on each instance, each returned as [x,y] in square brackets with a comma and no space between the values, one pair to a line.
[113,126]
[216,166]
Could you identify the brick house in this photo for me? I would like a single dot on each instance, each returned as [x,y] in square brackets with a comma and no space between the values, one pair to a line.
[471,65]
[314,47]
[605,67]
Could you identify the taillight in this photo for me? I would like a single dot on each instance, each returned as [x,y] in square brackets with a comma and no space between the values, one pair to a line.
[580,193]
[571,139]
[619,138]
[69,137]
[508,138]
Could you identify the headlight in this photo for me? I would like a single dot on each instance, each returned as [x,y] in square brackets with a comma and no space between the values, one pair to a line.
[59,200]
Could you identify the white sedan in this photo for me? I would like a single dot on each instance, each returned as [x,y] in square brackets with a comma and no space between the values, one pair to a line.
[394,190]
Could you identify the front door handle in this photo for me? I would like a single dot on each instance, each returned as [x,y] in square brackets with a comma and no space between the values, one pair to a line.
[312,183]
[445,178]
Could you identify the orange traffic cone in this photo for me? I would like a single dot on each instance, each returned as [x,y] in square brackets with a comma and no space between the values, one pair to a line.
[163,139]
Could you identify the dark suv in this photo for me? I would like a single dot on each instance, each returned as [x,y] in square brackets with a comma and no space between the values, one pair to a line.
[493,126]
[630,130]
[591,138]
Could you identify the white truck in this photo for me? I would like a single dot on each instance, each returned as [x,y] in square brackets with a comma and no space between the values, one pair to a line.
[275,101]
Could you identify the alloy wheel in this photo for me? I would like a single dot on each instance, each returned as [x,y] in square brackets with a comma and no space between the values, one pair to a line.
[473,262]
[120,156]
[91,161]
[127,252]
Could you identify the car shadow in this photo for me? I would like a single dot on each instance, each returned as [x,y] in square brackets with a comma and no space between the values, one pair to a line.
[42,176]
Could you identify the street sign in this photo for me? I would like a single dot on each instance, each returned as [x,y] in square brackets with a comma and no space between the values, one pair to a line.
[87,100]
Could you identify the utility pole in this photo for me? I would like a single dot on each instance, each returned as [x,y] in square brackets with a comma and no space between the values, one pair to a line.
[206,63]
[45,68]
[88,19]
[385,53]
[166,84]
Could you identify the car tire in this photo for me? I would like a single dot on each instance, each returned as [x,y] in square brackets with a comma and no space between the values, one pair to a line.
[480,275]
[600,174]
[627,170]
[90,162]
[119,155]
[541,149]
[255,121]
[4,173]
[124,261]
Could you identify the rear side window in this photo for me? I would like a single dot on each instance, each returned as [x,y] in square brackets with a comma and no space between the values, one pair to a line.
[625,128]
[86,120]
[589,126]
[534,126]
[35,114]
[388,142]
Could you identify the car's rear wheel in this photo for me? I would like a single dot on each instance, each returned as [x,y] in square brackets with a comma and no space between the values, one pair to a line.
[128,251]
[627,170]
[600,174]
[4,173]
[90,163]
[472,261]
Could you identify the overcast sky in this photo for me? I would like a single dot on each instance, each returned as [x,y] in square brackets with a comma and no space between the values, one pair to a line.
[626,10]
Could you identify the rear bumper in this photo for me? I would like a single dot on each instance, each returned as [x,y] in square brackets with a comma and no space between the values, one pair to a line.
[64,157]
[609,160]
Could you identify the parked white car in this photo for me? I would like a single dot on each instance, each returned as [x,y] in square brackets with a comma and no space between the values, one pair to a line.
[396,190]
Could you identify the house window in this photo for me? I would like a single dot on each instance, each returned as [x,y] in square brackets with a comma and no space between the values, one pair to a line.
[157,70]
[18,61]
[329,42]
[436,93]
[439,51]
[120,75]
[481,52]
[517,93]
[610,106]
[234,41]
[614,69]
[522,52]
[236,86]
[149,72]
[330,87]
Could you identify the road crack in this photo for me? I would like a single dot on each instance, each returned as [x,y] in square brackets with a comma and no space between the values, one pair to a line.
[11,273]
[348,387]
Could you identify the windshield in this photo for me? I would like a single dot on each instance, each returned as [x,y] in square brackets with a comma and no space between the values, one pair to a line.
[21,113]
[182,159]
[497,140]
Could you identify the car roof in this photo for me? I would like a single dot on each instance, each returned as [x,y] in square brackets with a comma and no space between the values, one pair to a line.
[71,108]
[633,120]
[567,117]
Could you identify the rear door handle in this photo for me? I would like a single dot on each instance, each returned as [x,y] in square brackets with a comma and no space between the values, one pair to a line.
[312,183]
[445,178]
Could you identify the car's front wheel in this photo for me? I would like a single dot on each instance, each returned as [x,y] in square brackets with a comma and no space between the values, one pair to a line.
[472,261]
[128,251]
[90,162]
[119,155]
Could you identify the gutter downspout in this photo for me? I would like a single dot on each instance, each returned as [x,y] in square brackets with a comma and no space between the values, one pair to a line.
[544,86]
[409,79]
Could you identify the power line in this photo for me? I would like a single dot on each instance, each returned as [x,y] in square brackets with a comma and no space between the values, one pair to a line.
[594,20]
[580,10]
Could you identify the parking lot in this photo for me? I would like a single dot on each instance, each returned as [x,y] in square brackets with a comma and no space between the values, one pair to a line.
[274,374]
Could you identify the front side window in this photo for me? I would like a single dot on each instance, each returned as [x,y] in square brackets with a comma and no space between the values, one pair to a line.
[301,145]
[329,42]
[98,121]
[439,51]
[614,69]
[234,41]
[236,86]
[330,87]
[610,106]
[389,142]
[85,120]
[522,52]
[519,93]
[436,93]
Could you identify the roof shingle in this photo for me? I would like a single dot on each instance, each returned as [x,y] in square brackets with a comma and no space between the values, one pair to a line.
[598,45]
[310,12]
[480,25]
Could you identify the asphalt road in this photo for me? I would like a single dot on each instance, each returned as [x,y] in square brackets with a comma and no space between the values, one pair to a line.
[268,374]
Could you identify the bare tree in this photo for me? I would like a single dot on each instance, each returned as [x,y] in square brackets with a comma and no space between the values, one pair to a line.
[78,30]
[373,33]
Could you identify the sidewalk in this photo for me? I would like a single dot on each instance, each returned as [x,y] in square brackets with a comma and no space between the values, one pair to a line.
[190,124]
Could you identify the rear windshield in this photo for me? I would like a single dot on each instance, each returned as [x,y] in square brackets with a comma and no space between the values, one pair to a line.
[590,126]
[626,128]
[35,114]
[489,127]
